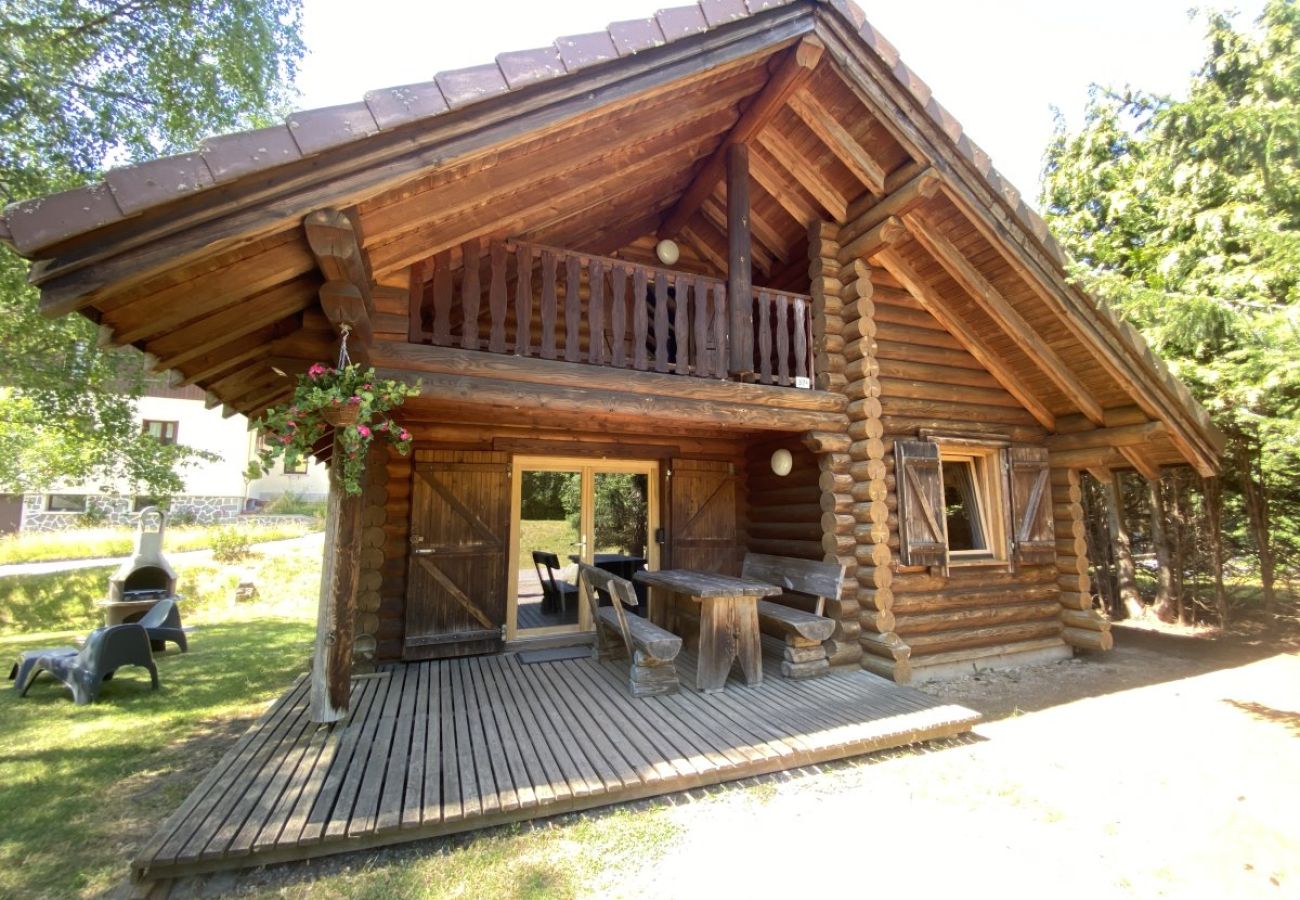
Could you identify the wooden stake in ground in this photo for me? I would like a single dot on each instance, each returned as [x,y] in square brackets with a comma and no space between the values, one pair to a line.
[331,668]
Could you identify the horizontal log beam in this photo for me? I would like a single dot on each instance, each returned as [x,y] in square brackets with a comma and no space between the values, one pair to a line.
[423,359]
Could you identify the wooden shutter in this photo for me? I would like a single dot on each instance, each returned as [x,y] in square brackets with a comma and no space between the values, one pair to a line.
[923,530]
[702,517]
[460,538]
[1033,535]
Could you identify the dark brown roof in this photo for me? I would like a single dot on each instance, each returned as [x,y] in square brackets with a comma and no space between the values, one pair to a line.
[37,227]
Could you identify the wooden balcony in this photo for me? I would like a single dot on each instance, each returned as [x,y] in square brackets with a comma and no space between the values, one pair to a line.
[535,301]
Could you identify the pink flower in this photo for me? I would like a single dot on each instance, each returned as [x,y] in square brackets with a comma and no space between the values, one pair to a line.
[354,400]
[382,426]
[317,370]
[367,387]
[363,431]
[404,436]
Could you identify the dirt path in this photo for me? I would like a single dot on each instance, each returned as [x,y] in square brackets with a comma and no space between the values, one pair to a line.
[1168,768]
[183,556]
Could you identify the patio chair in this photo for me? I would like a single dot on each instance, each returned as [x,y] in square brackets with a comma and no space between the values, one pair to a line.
[84,671]
[163,623]
[556,592]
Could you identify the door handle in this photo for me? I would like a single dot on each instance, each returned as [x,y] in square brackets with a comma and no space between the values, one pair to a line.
[423,551]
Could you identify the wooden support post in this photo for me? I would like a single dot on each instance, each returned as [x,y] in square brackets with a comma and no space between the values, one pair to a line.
[739,274]
[331,669]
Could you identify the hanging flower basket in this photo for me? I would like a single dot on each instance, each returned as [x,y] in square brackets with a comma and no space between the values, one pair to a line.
[347,404]
[341,414]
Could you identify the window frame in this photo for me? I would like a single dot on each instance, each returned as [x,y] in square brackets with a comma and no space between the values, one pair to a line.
[300,469]
[163,437]
[49,504]
[987,465]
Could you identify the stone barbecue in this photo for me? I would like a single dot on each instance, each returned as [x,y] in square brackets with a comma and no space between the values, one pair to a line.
[146,577]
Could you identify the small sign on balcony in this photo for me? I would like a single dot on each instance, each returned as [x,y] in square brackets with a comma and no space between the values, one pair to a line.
[803,381]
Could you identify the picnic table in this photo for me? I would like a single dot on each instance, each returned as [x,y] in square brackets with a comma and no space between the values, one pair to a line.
[728,620]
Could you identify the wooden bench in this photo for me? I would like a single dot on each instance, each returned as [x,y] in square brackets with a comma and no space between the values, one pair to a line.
[652,650]
[803,631]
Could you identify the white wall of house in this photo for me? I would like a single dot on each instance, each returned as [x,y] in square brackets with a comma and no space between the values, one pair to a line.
[212,490]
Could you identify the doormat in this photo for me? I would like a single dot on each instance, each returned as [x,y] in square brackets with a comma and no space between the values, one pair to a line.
[553,654]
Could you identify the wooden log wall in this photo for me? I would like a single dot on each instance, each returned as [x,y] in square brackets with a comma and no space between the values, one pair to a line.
[833,446]
[1083,628]
[389,488]
[390,617]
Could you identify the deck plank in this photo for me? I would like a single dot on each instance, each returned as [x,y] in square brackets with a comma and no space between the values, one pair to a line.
[181,823]
[413,802]
[490,792]
[470,794]
[499,712]
[318,814]
[400,772]
[438,747]
[362,758]
[493,746]
[577,777]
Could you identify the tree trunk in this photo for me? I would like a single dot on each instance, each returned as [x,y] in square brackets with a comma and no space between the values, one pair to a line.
[1125,570]
[331,669]
[1256,499]
[1214,519]
[1164,600]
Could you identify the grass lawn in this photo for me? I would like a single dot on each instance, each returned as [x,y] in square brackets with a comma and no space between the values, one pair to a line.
[557,536]
[96,543]
[94,782]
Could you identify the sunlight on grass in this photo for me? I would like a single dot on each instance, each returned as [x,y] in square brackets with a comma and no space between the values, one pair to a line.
[98,543]
[94,781]
[557,536]
[67,599]
[69,767]
[576,856]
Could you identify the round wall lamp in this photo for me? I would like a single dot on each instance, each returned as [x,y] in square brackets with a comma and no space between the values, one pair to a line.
[782,462]
[668,252]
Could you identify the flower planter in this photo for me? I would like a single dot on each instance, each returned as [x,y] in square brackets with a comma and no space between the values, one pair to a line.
[343,414]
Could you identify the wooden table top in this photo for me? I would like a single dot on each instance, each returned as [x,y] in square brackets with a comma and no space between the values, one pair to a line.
[706,584]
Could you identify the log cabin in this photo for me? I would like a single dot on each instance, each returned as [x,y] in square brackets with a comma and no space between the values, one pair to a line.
[681,256]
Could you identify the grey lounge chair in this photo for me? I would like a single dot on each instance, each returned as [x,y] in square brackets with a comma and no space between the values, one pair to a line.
[84,671]
[163,623]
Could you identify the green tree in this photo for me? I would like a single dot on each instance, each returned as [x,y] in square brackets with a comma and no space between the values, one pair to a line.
[1185,216]
[85,84]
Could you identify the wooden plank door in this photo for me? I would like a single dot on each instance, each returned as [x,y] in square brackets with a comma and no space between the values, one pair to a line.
[460,537]
[702,517]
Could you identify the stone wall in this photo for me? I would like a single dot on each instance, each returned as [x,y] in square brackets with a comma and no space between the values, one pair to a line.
[120,511]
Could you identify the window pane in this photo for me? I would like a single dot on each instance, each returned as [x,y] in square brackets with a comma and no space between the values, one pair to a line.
[66,503]
[961,503]
[164,432]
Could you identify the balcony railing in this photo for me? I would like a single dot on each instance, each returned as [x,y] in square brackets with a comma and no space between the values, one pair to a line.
[547,302]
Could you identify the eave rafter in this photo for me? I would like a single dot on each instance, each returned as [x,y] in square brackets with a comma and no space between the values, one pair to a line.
[789,76]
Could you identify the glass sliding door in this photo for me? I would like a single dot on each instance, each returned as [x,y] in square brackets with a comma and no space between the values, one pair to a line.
[601,512]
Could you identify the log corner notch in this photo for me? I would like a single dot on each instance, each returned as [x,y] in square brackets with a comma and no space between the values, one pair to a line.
[347,301]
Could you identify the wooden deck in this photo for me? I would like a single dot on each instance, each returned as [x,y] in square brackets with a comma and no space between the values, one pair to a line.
[440,747]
